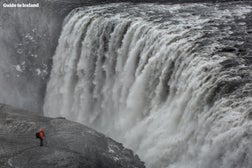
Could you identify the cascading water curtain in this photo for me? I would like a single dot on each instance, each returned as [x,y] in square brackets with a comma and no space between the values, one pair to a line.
[147,75]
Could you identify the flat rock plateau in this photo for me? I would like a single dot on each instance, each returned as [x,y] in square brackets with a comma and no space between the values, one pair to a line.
[67,144]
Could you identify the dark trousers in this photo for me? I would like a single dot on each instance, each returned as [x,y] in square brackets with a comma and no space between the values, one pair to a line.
[41,141]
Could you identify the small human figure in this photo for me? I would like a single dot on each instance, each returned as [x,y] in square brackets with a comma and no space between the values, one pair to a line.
[41,136]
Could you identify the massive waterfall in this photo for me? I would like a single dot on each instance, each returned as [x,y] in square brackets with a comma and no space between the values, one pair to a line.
[154,78]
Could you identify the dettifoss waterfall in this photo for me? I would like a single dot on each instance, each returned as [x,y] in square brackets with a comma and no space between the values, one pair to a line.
[154,77]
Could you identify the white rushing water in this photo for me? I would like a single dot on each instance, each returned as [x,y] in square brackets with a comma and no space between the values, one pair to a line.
[147,75]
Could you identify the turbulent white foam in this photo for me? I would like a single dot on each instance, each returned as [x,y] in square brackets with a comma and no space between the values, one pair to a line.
[149,83]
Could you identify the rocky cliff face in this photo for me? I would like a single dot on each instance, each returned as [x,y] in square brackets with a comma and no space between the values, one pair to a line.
[68,144]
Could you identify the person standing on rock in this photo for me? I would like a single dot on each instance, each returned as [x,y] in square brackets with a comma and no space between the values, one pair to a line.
[41,135]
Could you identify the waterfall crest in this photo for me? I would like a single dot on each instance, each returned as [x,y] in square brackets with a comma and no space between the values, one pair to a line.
[149,76]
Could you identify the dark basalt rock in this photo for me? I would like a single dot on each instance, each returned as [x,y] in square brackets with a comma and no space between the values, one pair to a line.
[229,63]
[67,144]
[228,49]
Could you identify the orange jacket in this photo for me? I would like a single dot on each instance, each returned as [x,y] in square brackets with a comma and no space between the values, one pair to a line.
[41,134]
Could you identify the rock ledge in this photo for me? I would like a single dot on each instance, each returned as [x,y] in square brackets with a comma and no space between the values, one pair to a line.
[67,145]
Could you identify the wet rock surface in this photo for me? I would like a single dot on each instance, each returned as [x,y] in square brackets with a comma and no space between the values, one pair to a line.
[67,144]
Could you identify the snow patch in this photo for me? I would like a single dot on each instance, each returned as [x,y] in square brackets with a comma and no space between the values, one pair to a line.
[10,162]
[18,68]
[110,150]
[38,71]
[116,158]
[34,55]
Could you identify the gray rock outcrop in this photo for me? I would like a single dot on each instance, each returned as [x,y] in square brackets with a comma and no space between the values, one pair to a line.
[67,144]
